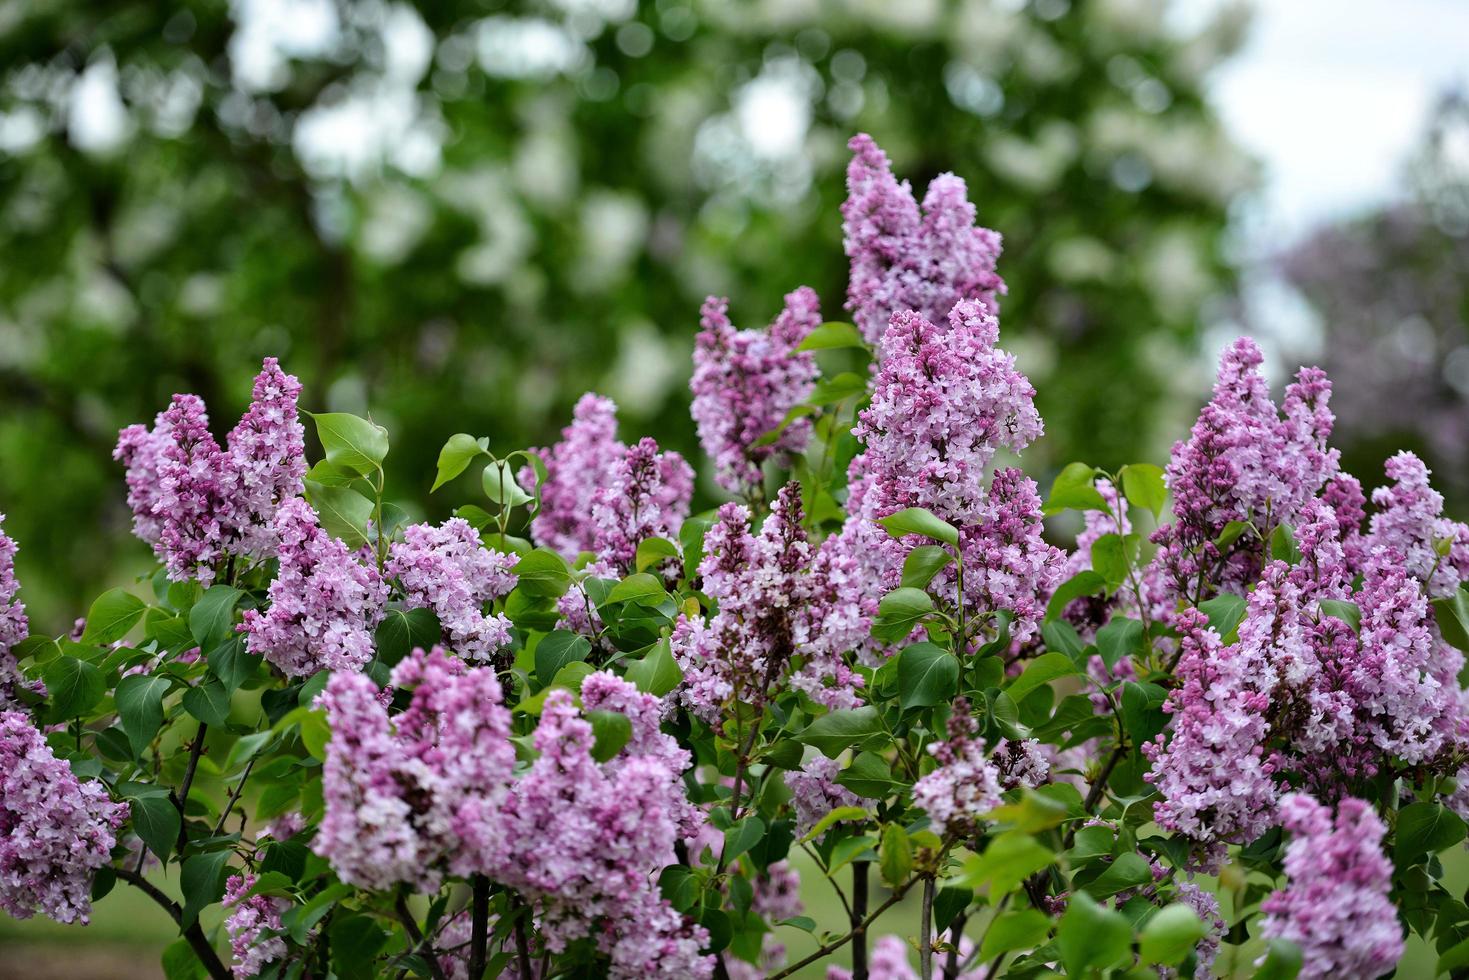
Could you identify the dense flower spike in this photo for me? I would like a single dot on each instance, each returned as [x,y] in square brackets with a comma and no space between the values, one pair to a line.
[195,494]
[1335,906]
[647,497]
[1409,522]
[323,604]
[1206,907]
[587,841]
[141,450]
[815,793]
[449,570]
[1244,462]
[14,627]
[267,460]
[966,785]
[744,383]
[904,260]
[583,462]
[410,796]
[1214,776]
[55,831]
[253,924]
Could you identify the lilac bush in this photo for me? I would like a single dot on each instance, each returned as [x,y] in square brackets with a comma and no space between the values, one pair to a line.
[588,726]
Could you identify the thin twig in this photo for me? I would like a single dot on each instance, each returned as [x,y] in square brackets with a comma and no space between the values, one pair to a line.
[234,797]
[182,800]
[841,941]
[522,945]
[420,942]
[925,931]
[192,934]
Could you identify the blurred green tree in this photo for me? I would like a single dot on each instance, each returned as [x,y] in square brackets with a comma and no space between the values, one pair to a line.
[485,208]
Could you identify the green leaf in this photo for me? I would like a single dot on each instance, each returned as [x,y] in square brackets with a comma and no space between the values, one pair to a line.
[202,882]
[654,551]
[1348,612]
[870,776]
[657,673]
[741,836]
[947,904]
[832,335]
[1225,611]
[1022,929]
[180,962]
[343,512]
[1032,814]
[1142,485]
[402,630]
[1109,559]
[895,855]
[1081,584]
[1073,490]
[500,486]
[543,574]
[836,731]
[1171,935]
[1142,710]
[350,442]
[829,391]
[642,588]
[1041,670]
[1231,534]
[1009,859]
[922,564]
[1091,843]
[927,675]
[455,457]
[232,663]
[916,520]
[1283,545]
[898,613]
[155,819]
[1092,937]
[1282,961]
[1129,870]
[316,732]
[114,613]
[1426,828]
[73,687]
[140,708]
[557,649]
[212,617]
[1452,616]
[1120,637]
[832,817]
[355,943]
[611,730]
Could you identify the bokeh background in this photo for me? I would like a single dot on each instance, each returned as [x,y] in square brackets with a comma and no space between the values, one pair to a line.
[458,215]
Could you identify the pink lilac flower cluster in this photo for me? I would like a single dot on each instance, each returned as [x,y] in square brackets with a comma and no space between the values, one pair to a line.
[254,925]
[647,497]
[411,796]
[744,383]
[888,960]
[966,785]
[763,586]
[1206,907]
[449,570]
[583,462]
[902,259]
[14,627]
[1245,461]
[815,792]
[324,602]
[55,831]
[198,504]
[1021,763]
[1408,521]
[587,840]
[1335,905]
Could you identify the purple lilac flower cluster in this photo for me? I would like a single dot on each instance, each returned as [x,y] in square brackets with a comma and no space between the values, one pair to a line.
[449,570]
[324,602]
[411,796]
[198,504]
[13,628]
[648,497]
[904,260]
[254,925]
[1335,906]
[55,830]
[766,615]
[966,785]
[744,383]
[815,793]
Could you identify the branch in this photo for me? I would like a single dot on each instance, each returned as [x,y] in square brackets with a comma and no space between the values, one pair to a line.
[405,915]
[856,914]
[182,799]
[193,935]
[479,929]
[925,932]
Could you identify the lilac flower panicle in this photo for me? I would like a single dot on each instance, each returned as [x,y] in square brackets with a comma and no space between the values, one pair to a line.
[815,792]
[14,627]
[1206,907]
[324,603]
[966,785]
[902,259]
[195,495]
[647,497]
[1335,905]
[254,924]
[1409,521]
[141,450]
[583,462]
[744,383]
[449,570]
[267,454]
[55,830]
